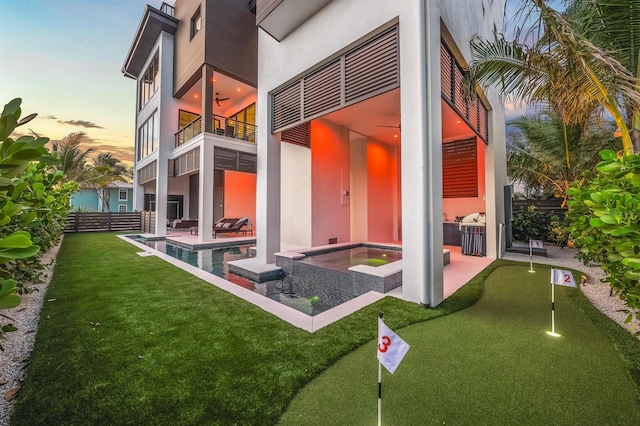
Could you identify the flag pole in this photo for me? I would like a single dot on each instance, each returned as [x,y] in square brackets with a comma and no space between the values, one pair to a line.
[553,309]
[381,316]
[530,257]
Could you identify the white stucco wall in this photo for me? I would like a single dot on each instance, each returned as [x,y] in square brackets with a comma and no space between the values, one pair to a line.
[420,32]
[296,195]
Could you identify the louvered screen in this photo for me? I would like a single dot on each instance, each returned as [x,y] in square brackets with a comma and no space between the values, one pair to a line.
[286,107]
[147,173]
[228,159]
[188,162]
[372,67]
[298,135]
[446,67]
[451,77]
[322,89]
[460,169]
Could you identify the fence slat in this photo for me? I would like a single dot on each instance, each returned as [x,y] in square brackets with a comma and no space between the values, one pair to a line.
[108,221]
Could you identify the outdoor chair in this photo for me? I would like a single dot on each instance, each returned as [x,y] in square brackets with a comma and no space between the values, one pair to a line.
[232,225]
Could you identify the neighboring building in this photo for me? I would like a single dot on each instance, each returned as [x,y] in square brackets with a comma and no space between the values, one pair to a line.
[117,197]
[338,82]
[197,59]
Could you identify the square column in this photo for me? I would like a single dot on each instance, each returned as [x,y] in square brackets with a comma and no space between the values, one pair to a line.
[205,193]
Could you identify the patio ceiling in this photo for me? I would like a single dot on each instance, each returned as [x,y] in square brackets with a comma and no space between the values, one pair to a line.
[367,116]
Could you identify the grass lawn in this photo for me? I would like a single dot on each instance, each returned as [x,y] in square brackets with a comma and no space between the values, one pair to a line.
[490,364]
[171,349]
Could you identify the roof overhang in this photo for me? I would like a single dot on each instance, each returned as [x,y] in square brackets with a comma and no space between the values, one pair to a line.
[280,17]
[152,24]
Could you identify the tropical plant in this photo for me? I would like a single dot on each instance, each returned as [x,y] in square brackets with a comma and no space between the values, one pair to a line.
[73,157]
[107,170]
[614,25]
[552,64]
[546,154]
[530,223]
[606,225]
[33,207]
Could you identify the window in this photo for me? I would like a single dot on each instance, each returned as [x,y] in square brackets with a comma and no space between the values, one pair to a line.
[150,81]
[122,195]
[244,122]
[122,208]
[147,137]
[196,23]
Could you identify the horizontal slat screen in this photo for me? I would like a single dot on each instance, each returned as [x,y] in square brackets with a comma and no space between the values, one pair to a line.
[452,78]
[371,68]
[322,89]
[228,159]
[460,169]
[298,135]
[287,106]
[147,173]
[187,163]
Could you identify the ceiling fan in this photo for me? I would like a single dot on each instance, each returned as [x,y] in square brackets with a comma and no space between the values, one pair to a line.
[393,127]
[219,99]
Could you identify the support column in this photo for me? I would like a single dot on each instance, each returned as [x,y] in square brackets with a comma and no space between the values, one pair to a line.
[162,183]
[268,198]
[207,99]
[205,193]
[421,159]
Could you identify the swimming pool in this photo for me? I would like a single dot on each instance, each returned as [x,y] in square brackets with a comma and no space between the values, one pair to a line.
[214,261]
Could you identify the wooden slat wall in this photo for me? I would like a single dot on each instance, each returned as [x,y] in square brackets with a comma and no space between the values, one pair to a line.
[95,221]
[460,169]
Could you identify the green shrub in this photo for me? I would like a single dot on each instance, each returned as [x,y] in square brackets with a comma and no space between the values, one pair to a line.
[530,223]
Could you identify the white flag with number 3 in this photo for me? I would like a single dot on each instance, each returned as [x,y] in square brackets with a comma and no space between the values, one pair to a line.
[562,277]
[391,348]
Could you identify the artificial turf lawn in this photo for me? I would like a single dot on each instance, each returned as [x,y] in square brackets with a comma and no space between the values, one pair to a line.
[172,349]
[492,363]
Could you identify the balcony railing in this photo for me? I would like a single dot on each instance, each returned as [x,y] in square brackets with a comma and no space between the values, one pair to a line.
[167,9]
[222,126]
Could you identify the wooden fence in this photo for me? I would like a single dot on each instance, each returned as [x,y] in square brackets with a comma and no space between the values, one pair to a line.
[148,222]
[544,206]
[97,221]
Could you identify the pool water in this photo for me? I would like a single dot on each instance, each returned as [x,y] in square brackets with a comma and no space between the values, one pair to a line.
[214,260]
[343,259]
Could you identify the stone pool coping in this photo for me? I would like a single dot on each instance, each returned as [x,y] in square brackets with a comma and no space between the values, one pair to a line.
[290,315]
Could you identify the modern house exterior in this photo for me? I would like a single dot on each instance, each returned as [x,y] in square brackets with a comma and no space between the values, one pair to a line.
[195,65]
[355,126]
[117,197]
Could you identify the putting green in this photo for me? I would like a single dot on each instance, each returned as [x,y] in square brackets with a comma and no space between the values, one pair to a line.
[492,363]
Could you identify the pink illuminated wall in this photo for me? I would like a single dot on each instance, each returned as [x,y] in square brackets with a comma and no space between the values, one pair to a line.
[240,195]
[329,178]
[382,192]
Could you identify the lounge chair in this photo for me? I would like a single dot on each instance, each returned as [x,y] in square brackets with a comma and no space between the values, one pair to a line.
[183,224]
[232,225]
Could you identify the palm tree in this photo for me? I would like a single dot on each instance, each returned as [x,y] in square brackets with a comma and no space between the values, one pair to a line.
[614,25]
[73,158]
[561,69]
[107,170]
[546,153]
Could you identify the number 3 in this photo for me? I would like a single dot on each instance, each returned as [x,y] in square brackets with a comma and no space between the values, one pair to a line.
[386,342]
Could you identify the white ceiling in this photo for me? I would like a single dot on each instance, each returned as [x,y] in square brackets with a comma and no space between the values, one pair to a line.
[377,118]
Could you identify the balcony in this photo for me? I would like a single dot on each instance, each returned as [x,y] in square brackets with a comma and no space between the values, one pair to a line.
[167,9]
[222,126]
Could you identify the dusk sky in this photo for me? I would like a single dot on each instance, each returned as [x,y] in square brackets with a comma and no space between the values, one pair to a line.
[63,58]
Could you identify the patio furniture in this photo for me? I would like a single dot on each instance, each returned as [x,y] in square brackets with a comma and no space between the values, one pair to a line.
[183,224]
[232,225]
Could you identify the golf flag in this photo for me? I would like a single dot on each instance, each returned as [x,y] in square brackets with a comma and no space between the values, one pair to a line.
[536,244]
[391,348]
[561,277]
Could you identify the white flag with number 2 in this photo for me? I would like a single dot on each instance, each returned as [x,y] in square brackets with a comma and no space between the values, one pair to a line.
[561,277]
[391,348]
